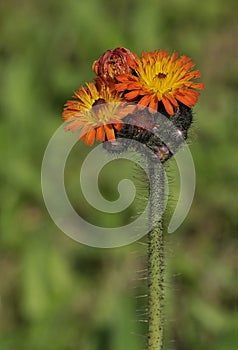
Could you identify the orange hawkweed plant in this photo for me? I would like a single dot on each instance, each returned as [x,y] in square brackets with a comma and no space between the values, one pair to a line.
[128,90]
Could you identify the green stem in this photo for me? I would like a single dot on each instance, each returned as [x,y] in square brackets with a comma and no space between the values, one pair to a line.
[156,261]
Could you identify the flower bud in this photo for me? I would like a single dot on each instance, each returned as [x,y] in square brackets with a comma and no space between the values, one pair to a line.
[113,63]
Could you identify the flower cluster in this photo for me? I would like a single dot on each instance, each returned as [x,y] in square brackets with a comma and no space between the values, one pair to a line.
[131,88]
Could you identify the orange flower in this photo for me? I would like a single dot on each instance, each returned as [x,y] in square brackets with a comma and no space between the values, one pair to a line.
[160,77]
[97,111]
[114,62]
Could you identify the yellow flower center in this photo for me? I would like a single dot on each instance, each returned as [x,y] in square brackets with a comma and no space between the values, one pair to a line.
[98,108]
[105,111]
[161,77]
[101,112]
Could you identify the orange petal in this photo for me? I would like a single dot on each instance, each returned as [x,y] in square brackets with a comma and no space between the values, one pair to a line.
[131,62]
[186,99]
[109,132]
[153,106]
[122,77]
[118,126]
[84,131]
[189,66]
[100,134]
[121,87]
[192,75]
[198,86]
[184,60]
[168,106]
[132,94]
[133,85]
[174,56]
[191,94]
[172,100]
[144,101]
[90,137]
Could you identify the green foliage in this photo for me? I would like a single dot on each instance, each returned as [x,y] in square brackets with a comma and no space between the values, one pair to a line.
[57,294]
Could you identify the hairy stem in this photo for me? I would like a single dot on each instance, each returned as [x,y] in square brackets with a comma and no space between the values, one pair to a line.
[156,261]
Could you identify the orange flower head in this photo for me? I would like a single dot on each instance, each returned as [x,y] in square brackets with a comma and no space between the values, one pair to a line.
[114,62]
[158,77]
[97,111]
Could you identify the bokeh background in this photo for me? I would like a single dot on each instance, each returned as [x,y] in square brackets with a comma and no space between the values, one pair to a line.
[58,294]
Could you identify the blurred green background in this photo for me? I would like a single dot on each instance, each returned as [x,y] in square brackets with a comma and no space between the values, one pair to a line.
[58,294]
